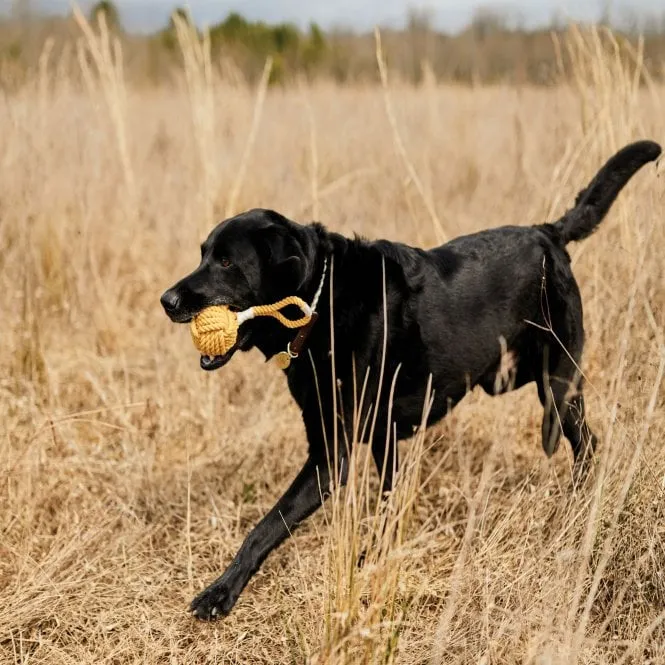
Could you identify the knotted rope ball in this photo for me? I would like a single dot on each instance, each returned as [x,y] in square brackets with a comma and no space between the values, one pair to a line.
[215,329]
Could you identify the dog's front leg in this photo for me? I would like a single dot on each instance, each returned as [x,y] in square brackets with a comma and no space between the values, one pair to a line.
[299,501]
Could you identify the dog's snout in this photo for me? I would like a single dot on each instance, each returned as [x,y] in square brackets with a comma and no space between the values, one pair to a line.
[170,301]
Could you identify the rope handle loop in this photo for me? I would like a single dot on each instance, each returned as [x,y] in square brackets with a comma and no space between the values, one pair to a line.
[273,310]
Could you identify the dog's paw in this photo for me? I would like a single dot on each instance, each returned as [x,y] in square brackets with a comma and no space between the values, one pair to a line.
[213,603]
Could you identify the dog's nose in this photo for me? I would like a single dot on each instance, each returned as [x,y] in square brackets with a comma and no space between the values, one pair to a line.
[170,301]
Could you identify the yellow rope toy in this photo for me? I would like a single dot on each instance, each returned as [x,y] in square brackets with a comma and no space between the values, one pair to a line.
[215,329]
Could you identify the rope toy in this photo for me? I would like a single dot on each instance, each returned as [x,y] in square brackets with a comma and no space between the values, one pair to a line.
[215,329]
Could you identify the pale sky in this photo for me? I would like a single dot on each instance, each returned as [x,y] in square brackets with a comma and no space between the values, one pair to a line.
[448,15]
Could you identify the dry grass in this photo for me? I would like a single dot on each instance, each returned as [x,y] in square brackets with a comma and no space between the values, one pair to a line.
[130,477]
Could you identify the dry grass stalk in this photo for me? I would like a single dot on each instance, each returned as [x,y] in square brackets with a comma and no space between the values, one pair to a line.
[106,52]
[399,144]
[313,151]
[251,138]
[201,90]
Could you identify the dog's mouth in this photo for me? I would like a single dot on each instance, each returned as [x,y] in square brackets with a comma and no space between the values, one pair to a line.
[210,363]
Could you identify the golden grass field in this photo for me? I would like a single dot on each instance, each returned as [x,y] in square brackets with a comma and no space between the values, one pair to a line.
[130,477]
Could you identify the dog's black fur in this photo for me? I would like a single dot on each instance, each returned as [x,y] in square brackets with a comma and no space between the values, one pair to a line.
[454,313]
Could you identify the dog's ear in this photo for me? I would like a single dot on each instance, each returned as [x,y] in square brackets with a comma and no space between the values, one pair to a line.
[283,252]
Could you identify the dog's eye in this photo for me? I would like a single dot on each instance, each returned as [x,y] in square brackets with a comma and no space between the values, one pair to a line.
[224,262]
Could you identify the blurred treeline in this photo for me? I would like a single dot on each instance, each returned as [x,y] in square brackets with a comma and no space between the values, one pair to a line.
[493,48]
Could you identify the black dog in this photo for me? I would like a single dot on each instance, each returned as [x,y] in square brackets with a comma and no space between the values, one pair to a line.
[454,314]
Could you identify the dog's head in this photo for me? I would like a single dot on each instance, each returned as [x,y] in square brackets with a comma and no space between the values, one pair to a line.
[255,258]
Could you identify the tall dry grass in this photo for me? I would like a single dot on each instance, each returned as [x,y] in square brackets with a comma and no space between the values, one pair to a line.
[129,477]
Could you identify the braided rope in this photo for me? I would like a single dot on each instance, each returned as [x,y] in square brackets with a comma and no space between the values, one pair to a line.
[273,310]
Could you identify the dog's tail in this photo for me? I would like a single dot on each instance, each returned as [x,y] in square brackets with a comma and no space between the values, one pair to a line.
[592,203]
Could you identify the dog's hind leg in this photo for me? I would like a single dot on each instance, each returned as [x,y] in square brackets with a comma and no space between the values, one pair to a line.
[565,411]
[560,392]
[557,370]
[578,432]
